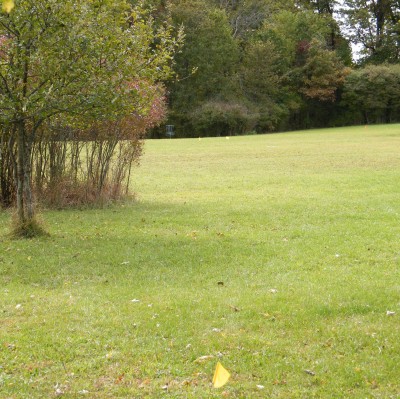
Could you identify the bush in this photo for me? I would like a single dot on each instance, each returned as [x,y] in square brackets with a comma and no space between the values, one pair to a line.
[92,165]
[223,119]
[372,94]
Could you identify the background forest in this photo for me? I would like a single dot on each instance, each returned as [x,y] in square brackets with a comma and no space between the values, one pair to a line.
[271,65]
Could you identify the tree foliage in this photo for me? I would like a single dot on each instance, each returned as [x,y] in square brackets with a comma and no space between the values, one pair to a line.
[266,58]
[322,74]
[373,94]
[73,63]
[206,66]
[375,25]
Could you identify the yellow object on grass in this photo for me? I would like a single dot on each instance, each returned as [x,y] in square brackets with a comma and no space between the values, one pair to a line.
[7,5]
[221,376]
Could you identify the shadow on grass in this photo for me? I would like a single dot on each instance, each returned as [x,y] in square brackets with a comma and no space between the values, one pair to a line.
[143,241]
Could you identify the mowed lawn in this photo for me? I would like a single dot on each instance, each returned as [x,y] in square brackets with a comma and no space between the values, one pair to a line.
[277,255]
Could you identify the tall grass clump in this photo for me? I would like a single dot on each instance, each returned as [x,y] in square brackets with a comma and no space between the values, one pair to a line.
[27,228]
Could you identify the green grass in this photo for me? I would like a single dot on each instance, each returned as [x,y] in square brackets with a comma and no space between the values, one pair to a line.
[302,229]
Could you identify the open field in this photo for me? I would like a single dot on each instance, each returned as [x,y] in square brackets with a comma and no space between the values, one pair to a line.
[278,255]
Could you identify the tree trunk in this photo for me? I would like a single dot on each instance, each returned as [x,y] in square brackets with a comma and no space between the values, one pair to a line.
[25,206]
[20,173]
[6,169]
[28,196]
[388,112]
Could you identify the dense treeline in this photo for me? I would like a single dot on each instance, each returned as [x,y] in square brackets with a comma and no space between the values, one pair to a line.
[270,65]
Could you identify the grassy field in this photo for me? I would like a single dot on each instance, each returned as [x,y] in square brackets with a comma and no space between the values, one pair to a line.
[276,255]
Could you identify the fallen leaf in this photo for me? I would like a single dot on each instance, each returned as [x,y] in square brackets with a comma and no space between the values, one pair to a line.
[110,355]
[221,376]
[8,5]
[192,234]
[280,382]
[390,313]
[144,383]
[204,358]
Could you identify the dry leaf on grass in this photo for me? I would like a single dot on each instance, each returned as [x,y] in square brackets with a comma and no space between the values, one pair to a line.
[204,358]
[309,372]
[390,313]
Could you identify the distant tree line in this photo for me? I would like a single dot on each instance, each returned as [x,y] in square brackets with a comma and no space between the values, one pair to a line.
[272,65]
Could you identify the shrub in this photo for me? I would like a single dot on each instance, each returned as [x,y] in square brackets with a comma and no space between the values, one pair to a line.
[223,119]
